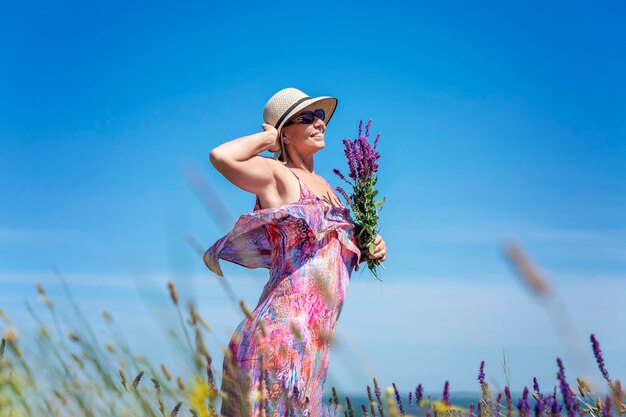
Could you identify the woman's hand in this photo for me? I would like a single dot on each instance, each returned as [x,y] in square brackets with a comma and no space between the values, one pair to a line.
[273,139]
[381,250]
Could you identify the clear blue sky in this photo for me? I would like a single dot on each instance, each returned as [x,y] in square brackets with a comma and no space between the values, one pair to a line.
[497,121]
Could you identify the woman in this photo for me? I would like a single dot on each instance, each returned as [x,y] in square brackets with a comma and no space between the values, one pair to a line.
[277,359]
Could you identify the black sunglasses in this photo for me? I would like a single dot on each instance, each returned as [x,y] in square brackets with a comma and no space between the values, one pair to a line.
[308,117]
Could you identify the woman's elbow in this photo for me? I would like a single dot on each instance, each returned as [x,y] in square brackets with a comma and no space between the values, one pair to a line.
[216,158]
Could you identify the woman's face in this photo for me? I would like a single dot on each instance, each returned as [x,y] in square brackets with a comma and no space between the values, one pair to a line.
[305,139]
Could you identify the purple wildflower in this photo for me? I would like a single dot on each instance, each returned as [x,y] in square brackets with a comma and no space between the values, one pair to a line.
[556,407]
[496,405]
[446,393]
[606,407]
[380,401]
[568,398]
[479,410]
[548,402]
[350,157]
[419,393]
[376,141]
[523,405]
[398,399]
[509,401]
[350,410]
[471,409]
[410,398]
[362,157]
[539,407]
[598,354]
[364,411]
[481,373]
[536,385]
[339,174]
[428,414]
[343,193]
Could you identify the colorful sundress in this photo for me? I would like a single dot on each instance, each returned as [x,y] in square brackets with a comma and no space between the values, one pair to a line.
[277,360]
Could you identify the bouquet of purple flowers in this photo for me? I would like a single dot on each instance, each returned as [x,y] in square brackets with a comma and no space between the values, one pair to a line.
[362,161]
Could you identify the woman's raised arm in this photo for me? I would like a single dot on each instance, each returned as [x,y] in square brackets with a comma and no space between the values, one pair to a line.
[238,160]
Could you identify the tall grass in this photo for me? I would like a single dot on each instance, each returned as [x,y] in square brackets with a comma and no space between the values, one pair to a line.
[70,372]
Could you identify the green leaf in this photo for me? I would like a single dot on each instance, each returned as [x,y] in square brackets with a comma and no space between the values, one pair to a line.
[371,247]
[380,202]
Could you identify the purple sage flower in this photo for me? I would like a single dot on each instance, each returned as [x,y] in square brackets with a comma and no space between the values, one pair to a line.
[419,393]
[536,385]
[496,405]
[398,399]
[539,407]
[523,405]
[410,399]
[446,393]
[481,373]
[509,401]
[598,354]
[606,407]
[556,407]
[568,397]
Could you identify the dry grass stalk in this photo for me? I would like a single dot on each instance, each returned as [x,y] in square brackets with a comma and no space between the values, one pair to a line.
[526,270]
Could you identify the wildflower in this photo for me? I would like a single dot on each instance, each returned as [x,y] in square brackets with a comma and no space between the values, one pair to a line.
[198,395]
[496,405]
[568,399]
[509,401]
[398,399]
[481,373]
[599,359]
[539,407]
[523,405]
[556,407]
[606,407]
[419,393]
[362,162]
[442,406]
[349,404]
[446,393]
[380,401]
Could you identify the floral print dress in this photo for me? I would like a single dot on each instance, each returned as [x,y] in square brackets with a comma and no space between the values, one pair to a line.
[277,360]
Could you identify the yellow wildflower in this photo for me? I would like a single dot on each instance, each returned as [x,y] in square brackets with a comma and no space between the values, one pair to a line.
[198,396]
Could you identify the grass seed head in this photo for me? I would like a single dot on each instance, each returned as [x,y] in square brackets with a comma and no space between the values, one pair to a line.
[123,378]
[173,292]
[166,372]
[176,408]
[137,380]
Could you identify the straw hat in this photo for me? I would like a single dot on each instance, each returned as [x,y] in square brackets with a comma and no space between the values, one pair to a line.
[288,102]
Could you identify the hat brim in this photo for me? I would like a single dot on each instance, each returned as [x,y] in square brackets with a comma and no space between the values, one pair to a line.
[328,103]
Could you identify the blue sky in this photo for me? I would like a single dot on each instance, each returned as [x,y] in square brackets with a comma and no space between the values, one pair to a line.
[498,121]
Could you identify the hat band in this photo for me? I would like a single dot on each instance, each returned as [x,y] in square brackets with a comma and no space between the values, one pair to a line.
[293,106]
